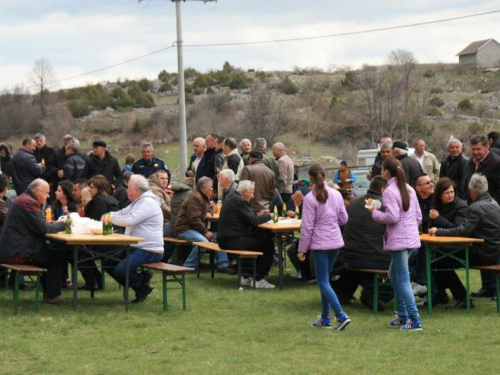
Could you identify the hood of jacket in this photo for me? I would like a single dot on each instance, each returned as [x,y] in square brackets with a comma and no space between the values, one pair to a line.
[7,147]
[153,181]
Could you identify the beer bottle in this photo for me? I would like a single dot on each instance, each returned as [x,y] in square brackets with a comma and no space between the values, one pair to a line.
[285,212]
[297,212]
[110,225]
[275,214]
[68,221]
[219,206]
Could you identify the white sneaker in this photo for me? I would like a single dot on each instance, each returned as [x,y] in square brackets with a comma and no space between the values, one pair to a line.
[297,275]
[419,290]
[246,281]
[263,284]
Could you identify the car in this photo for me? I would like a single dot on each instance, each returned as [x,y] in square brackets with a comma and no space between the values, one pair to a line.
[360,187]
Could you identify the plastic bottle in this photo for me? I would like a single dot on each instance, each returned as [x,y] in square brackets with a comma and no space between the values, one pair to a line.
[48,214]
[68,221]
[275,214]
[219,206]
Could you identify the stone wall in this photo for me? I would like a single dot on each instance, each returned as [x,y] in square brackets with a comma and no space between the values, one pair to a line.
[489,56]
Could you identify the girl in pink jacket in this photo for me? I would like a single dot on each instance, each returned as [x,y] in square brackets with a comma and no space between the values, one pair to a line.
[323,213]
[402,217]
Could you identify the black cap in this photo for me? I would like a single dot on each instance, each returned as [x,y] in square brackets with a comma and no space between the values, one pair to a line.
[98,144]
[401,145]
[256,154]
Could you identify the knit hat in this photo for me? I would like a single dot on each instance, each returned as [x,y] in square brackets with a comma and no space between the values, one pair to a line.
[99,144]
[401,145]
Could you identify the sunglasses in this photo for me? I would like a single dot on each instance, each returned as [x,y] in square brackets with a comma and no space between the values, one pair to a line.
[426,183]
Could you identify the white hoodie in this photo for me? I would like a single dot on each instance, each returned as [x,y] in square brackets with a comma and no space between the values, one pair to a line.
[143,218]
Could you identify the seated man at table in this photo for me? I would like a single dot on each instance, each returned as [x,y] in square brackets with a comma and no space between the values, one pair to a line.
[142,218]
[363,248]
[23,239]
[238,231]
[191,224]
[482,220]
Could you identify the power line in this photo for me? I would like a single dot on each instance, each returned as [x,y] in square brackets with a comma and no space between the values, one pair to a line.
[113,65]
[344,34]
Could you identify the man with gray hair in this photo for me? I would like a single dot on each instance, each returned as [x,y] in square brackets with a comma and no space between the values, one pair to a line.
[23,238]
[142,218]
[192,224]
[286,168]
[427,160]
[260,144]
[227,183]
[455,166]
[46,156]
[246,147]
[149,164]
[264,181]
[482,220]
[197,166]
[74,163]
[238,230]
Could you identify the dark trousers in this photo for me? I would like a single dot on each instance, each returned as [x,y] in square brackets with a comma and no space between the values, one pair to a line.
[422,265]
[350,280]
[257,242]
[305,267]
[449,279]
[52,261]
[168,247]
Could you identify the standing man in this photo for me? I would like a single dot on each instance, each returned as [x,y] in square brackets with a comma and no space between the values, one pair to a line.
[411,167]
[456,166]
[246,147]
[74,163]
[61,155]
[285,179]
[487,163]
[101,162]
[25,168]
[263,178]
[149,164]
[210,153]
[142,218]
[197,166]
[23,238]
[269,161]
[46,156]
[428,161]
[494,141]
[344,177]
[385,152]
[379,157]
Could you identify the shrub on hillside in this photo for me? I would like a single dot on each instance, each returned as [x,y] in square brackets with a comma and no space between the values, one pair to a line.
[165,87]
[190,73]
[122,99]
[221,78]
[464,105]
[141,99]
[433,111]
[239,81]
[165,76]
[189,99]
[145,85]
[349,80]
[287,86]
[436,101]
[78,108]
[436,90]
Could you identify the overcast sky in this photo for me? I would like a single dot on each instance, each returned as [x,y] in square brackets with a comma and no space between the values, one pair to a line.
[80,36]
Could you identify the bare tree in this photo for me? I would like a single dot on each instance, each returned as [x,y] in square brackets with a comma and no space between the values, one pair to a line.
[42,77]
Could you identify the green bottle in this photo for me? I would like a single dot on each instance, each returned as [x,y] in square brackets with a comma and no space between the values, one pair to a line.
[68,221]
[275,215]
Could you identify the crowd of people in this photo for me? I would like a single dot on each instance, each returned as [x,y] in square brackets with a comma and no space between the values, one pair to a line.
[409,193]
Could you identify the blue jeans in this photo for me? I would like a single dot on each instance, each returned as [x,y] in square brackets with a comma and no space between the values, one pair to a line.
[192,235]
[137,257]
[323,264]
[400,280]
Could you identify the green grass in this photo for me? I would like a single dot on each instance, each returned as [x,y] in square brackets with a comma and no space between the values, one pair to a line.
[226,331]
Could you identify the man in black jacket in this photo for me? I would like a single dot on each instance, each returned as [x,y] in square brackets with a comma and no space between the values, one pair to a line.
[411,166]
[74,164]
[101,162]
[149,164]
[481,221]
[455,167]
[25,168]
[23,238]
[237,230]
[494,141]
[46,156]
[487,163]
[363,247]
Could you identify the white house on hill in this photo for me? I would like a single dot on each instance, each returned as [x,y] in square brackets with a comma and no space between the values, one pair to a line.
[483,54]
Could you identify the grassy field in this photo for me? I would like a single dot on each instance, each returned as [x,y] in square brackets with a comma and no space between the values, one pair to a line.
[226,331]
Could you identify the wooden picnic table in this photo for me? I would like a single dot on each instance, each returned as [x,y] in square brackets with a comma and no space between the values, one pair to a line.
[437,242]
[80,242]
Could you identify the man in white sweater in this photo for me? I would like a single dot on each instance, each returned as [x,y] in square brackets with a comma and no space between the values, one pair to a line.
[142,218]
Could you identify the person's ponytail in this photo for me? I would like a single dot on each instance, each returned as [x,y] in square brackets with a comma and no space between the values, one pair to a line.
[395,169]
[318,175]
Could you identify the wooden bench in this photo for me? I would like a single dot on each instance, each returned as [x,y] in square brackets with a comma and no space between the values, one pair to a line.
[24,270]
[496,270]
[240,254]
[174,271]
[377,275]
[178,242]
